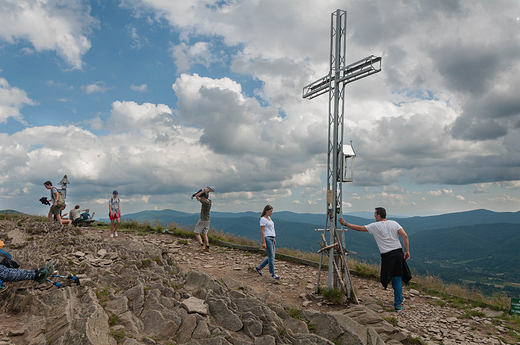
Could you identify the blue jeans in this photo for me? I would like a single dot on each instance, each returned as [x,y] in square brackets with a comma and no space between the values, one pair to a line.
[15,274]
[397,285]
[269,248]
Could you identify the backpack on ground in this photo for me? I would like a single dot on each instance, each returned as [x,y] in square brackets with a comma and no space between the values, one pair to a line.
[7,260]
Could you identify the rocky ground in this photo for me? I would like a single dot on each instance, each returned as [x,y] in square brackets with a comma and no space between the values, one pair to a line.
[158,289]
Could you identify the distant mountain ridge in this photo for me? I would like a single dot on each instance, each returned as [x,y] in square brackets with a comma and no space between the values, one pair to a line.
[410,224]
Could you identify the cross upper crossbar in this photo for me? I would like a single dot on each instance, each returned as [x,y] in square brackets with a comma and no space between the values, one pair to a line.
[355,71]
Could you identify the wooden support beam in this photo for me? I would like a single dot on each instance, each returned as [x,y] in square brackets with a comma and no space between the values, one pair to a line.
[327,247]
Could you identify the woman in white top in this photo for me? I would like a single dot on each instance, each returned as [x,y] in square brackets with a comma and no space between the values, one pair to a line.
[268,241]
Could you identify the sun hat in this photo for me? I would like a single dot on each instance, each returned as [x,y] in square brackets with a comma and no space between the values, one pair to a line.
[211,188]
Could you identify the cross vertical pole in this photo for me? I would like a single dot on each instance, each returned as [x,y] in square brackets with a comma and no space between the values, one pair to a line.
[336,107]
[334,83]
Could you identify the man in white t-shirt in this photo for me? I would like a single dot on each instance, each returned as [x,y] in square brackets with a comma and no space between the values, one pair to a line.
[393,261]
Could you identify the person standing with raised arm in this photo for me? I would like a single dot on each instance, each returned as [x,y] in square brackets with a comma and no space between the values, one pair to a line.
[202,225]
[393,261]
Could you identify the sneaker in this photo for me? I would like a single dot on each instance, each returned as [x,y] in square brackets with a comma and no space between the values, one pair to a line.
[115,234]
[111,235]
[43,272]
[275,276]
[206,250]
[398,309]
[3,288]
[259,271]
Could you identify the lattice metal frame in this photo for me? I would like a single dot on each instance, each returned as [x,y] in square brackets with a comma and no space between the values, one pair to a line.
[334,83]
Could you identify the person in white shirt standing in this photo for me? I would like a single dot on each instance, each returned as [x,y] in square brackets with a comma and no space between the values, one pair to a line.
[114,213]
[268,241]
[393,261]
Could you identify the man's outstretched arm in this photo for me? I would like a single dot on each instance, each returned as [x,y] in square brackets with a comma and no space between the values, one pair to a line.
[353,226]
[406,243]
[197,196]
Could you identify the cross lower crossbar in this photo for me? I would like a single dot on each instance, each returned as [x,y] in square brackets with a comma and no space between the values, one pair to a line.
[317,88]
[355,71]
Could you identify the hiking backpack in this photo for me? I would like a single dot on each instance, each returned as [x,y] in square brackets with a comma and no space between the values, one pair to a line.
[7,260]
[61,200]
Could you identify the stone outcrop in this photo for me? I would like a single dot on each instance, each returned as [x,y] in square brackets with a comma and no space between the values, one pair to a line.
[134,291]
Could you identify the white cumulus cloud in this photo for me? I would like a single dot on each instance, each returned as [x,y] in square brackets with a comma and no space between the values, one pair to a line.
[62,26]
[139,88]
[12,99]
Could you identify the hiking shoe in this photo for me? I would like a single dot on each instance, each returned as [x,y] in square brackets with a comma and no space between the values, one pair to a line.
[115,234]
[398,309]
[201,247]
[259,271]
[275,276]
[3,288]
[206,250]
[43,272]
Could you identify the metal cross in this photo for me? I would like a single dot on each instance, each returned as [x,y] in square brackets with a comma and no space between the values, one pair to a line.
[334,83]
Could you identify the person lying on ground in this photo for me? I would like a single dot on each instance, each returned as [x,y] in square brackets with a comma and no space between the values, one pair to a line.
[9,271]
[18,274]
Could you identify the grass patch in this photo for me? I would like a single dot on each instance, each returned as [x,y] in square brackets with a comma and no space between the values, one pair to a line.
[119,334]
[459,296]
[364,269]
[333,295]
[294,313]
[113,319]
[438,302]
[144,263]
[176,286]
[391,320]
[471,313]
[414,340]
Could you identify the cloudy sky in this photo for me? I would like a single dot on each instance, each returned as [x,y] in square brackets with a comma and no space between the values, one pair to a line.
[156,98]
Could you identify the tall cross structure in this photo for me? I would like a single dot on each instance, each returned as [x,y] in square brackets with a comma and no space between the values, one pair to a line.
[334,83]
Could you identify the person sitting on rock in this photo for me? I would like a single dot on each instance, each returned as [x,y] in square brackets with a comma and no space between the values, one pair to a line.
[64,221]
[76,214]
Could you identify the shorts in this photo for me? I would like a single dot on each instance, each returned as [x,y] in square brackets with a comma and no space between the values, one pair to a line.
[55,210]
[114,216]
[202,226]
